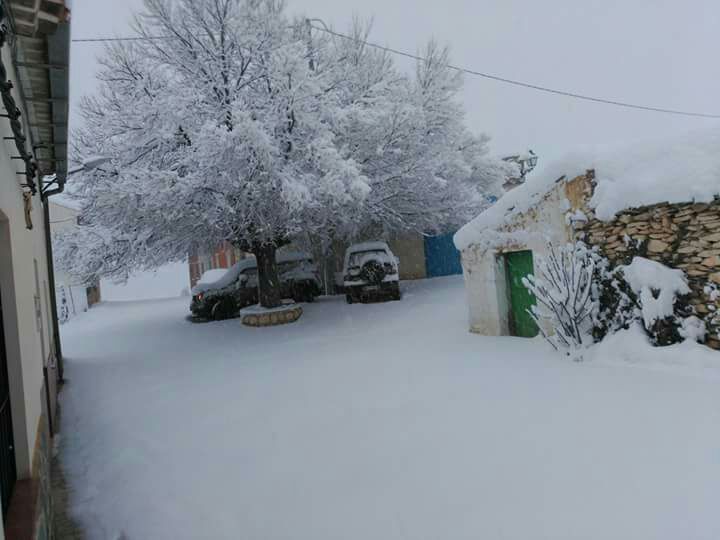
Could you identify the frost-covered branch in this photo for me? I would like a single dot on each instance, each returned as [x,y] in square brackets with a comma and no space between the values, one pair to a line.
[563,288]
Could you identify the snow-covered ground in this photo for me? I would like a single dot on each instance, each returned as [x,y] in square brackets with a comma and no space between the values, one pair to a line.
[168,281]
[383,421]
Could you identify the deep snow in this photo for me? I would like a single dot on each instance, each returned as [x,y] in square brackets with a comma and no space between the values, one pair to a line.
[382,421]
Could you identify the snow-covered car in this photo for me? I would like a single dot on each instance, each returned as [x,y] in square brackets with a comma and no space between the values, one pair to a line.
[371,273]
[238,286]
[299,277]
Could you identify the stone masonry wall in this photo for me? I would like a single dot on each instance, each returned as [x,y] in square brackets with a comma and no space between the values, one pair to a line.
[685,236]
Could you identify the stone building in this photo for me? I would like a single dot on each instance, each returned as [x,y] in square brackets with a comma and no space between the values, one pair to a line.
[498,250]
[680,235]
[499,246]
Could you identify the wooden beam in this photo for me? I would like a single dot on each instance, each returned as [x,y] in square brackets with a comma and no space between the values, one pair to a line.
[47,100]
[34,65]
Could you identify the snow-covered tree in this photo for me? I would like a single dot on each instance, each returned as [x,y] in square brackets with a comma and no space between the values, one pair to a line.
[240,125]
[425,169]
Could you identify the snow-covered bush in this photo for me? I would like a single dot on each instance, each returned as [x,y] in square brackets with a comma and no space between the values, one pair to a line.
[563,287]
[579,293]
[617,304]
[693,328]
[663,299]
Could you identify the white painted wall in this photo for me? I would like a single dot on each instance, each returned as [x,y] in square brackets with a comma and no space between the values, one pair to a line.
[70,294]
[62,217]
[28,337]
[484,267]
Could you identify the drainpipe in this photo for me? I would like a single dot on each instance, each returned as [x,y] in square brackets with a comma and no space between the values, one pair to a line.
[88,164]
[51,274]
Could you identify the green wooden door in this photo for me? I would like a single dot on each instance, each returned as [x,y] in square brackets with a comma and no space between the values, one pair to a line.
[519,264]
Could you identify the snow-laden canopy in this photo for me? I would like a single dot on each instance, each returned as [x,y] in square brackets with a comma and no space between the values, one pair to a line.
[677,169]
[251,129]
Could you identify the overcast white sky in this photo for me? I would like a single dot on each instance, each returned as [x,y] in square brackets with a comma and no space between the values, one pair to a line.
[656,52]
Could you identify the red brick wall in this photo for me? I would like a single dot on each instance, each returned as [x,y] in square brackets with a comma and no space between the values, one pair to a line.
[222,257]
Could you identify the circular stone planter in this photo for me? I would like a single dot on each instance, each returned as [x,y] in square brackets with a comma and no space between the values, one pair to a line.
[259,316]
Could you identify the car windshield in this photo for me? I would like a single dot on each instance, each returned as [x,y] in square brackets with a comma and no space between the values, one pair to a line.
[292,265]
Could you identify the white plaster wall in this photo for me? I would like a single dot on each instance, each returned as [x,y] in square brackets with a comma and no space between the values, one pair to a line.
[26,337]
[484,268]
[62,218]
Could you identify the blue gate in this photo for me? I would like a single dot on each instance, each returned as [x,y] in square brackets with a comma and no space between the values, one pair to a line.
[441,257]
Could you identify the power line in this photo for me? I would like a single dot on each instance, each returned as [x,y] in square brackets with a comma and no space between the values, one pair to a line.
[497,78]
[521,83]
[136,38]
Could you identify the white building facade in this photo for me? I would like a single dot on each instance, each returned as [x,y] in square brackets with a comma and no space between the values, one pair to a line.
[72,297]
[35,56]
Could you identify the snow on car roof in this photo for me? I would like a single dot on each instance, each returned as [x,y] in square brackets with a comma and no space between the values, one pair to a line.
[234,271]
[368,246]
[227,278]
[212,275]
[679,169]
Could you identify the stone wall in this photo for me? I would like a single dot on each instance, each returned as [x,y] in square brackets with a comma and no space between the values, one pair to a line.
[685,236]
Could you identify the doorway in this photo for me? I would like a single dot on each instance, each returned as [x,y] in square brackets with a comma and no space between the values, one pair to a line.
[8,470]
[519,264]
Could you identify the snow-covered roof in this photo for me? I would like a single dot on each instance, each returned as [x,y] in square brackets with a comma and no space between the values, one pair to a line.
[675,170]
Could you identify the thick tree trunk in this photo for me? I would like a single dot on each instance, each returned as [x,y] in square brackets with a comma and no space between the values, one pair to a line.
[269,293]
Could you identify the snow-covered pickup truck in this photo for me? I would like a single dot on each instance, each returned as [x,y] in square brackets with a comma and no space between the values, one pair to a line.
[371,273]
[225,296]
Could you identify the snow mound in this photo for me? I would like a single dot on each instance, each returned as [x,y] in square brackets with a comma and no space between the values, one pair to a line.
[679,169]
[633,346]
[656,285]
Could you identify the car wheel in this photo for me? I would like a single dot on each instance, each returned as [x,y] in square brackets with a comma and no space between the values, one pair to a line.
[349,299]
[373,272]
[223,309]
[396,295]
